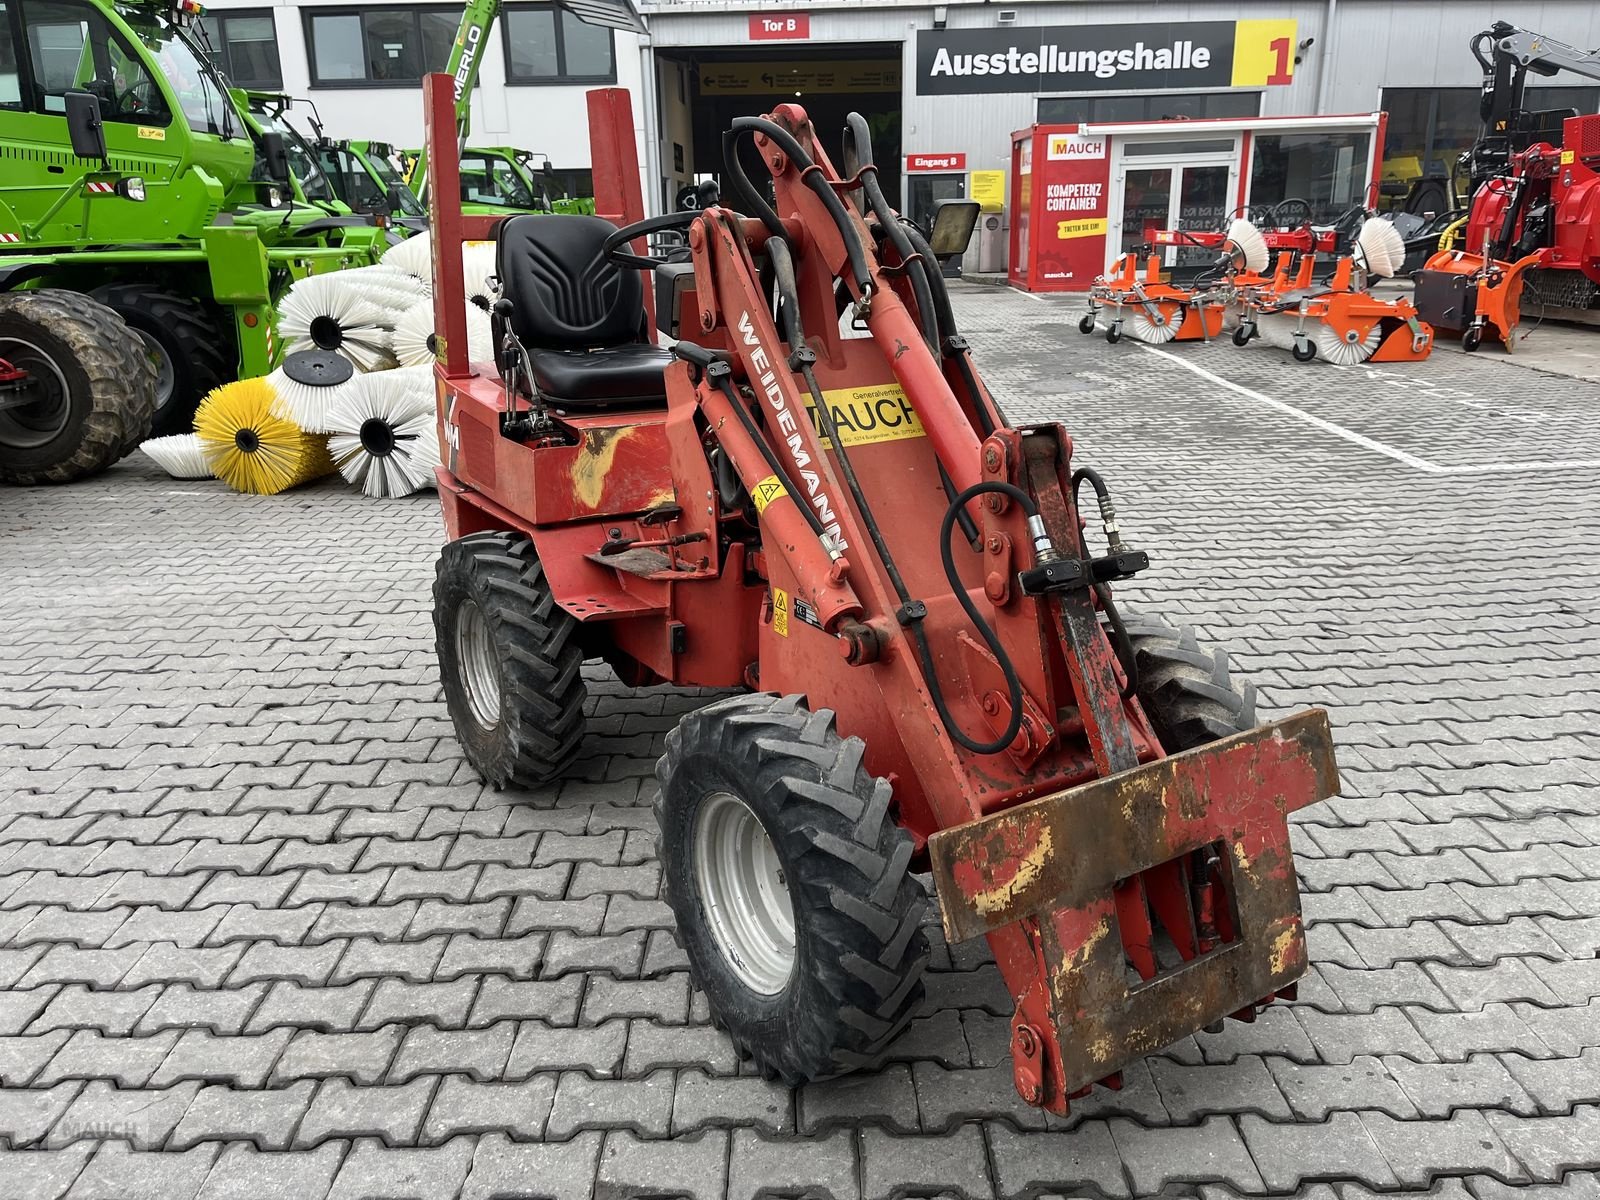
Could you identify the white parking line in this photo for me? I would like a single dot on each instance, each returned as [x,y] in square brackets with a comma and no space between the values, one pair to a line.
[1360,439]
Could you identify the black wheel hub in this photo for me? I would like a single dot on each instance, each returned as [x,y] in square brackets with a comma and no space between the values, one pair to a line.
[36,407]
[247,440]
[327,333]
[377,437]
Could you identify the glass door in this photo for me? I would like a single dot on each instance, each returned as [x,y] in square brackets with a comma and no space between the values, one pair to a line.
[1199,201]
[1146,204]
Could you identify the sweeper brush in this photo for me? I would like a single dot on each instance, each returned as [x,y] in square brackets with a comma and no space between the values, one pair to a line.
[1145,306]
[414,256]
[307,384]
[386,432]
[180,456]
[251,449]
[352,319]
[416,342]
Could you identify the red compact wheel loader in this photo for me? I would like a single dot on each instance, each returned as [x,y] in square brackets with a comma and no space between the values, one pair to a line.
[812,496]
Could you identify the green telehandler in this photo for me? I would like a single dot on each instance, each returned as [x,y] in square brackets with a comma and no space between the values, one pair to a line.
[148,223]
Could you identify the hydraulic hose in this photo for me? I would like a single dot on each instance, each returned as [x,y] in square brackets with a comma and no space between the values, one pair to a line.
[746,191]
[916,268]
[1108,517]
[724,381]
[949,335]
[911,612]
[811,174]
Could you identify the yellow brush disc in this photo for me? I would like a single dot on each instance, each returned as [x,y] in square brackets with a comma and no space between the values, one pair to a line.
[249,448]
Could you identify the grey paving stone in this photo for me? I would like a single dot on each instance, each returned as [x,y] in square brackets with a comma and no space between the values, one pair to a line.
[1211,1150]
[695,1166]
[480,1053]
[644,1105]
[27,1115]
[886,1097]
[462,1105]
[45,1174]
[363,1057]
[330,1009]
[244,1061]
[650,1045]
[182,1006]
[1190,1092]
[1458,1036]
[441,1004]
[142,1117]
[372,1169]
[665,1000]
[947,1098]
[76,1007]
[1556,1084]
[554,1001]
[1341,1038]
[705,1101]
[822,1166]
[368,957]
[954,1164]
[543,1170]
[1315,1090]
[1439,1088]
[241,1172]
[1547,1147]
[143,1175]
[91,1055]
[344,1110]
[1465,1144]
[264,1117]
[1289,1156]
[597,1051]
[21,1058]
[513,957]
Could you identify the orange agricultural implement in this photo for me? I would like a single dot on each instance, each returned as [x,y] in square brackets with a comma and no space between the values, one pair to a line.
[1137,293]
[814,498]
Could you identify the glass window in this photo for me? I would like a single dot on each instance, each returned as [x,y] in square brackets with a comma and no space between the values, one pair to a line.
[489,179]
[244,43]
[10,80]
[384,47]
[1220,145]
[1326,170]
[71,47]
[544,44]
[187,72]
[1076,110]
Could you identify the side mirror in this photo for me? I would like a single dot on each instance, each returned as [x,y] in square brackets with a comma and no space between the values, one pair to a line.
[953,223]
[84,125]
[398,194]
[276,156]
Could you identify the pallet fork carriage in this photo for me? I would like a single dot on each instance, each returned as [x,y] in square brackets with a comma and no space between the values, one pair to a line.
[939,674]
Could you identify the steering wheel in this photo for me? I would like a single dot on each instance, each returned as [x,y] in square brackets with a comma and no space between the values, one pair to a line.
[1293,213]
[136,101]
[616,249]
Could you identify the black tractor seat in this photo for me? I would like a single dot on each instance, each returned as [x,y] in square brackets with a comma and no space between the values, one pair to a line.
[579,315]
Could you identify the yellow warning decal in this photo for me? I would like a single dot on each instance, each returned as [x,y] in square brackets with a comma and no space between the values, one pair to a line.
[152,135]
[1090,227]
[868,415]
[765,492]
[780,612]
[1568,157]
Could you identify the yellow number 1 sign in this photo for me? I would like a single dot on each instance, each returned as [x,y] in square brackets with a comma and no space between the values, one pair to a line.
[1263,53]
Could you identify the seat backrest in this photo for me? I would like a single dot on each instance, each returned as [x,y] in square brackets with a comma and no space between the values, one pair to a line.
[565,293]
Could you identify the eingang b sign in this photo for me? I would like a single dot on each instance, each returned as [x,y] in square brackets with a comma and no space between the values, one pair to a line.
[1086,58]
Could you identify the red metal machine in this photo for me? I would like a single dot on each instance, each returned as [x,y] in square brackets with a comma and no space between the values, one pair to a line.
[815,497]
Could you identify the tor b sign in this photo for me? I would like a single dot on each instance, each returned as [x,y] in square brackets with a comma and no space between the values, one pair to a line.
[780,27]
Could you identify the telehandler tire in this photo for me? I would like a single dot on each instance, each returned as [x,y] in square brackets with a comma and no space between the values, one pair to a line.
[509,659]
[1187,692]
[790,884]
[95,386]
[183,346]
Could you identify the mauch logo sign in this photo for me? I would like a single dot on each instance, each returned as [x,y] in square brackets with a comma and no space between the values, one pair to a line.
[1077,58]
[1065,147]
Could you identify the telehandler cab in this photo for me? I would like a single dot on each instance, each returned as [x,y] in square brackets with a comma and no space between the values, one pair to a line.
[937,675]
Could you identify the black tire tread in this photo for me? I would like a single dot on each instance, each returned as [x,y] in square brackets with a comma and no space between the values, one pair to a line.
[543,691]
[121,381]
[850,864]
[1188,692]
[204,363]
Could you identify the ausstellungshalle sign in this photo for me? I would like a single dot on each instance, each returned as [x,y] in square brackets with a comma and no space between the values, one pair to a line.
[1127,57]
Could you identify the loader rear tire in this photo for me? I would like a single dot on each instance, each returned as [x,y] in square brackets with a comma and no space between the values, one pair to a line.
[509,659]
[96,392]
[1187,692]
[789,880]
[182,344]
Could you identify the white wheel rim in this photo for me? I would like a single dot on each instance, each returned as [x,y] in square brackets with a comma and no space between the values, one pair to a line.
[480,666]
[744,893]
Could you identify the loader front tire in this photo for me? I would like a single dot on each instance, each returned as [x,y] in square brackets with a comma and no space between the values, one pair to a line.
[182,344]
[90,391]
[509,659]
[790,884]
[1187,692]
